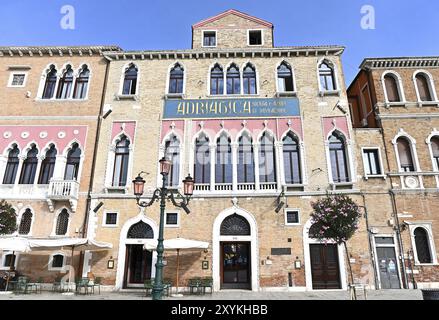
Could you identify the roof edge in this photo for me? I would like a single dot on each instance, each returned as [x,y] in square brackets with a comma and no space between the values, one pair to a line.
[232,11]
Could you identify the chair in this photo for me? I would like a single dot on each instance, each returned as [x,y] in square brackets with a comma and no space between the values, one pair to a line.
[149,284]
[195,286]
[56,285]
[207,283]
[83,283]
[167,285]
[96,283]
[22,285]
[37,285]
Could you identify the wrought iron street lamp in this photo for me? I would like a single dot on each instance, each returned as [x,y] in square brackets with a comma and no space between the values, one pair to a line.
[161,194]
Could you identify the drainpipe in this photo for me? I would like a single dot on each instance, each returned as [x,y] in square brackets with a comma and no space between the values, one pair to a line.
[372,260]
[93,166]
[398,233]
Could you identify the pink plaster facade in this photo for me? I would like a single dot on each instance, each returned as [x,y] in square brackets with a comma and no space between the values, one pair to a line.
[339,123]
[123,127]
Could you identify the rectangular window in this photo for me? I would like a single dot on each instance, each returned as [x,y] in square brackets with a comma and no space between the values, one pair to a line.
[209,39]
[8,260]
[110,219]
[384,240]
[172,219]
[291,217]
[371,161]
[255,37]
[57,261]
[17,80]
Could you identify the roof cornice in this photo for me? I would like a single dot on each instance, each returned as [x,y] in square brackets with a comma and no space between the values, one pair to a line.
[400,62]
[56,50]
[226,53]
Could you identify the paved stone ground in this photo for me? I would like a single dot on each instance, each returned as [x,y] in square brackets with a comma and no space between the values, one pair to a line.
[229,295]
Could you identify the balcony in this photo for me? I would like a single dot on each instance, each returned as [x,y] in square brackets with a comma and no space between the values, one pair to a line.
[63,190]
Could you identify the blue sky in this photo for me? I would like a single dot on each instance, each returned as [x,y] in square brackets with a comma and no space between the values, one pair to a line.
[403,28]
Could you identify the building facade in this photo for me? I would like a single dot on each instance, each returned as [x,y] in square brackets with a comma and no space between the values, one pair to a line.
[396,100]
[263,130]
[50,101]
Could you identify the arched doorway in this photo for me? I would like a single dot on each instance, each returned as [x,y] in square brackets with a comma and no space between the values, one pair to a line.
[235,251]
[135,265]
[324,263]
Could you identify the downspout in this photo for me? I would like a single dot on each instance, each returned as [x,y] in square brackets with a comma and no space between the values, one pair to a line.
[375,276]
[93,166]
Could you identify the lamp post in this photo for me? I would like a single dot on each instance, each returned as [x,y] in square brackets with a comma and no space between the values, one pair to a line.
[161,194]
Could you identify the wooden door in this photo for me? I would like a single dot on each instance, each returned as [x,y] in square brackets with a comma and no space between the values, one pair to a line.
[325,267]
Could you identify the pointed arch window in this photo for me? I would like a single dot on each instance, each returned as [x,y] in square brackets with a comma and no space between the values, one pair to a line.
[47,166]
[285,81]
[246,165]
[327,77]
[291,157]
[65,84]
[49,86]
[405,155]
[172,153]
[25,222]
[176,78]
[223,165]
[249,79]
[121,161]
[267,159]
[423,84]
[392,89]
[62,223]
[130,80]
[435,150]
[81,86]
[202,160]
[338,158]
[233,80]
[216,80]
[12,166]
[29,167]
[422,245]
[73,161]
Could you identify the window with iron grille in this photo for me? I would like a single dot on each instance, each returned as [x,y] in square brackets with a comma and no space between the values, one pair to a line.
[62,223]
[18,79]
[235,225]
[25,223]
[140,230]
[172,219]
[111,218]
[57,261]
[291,216]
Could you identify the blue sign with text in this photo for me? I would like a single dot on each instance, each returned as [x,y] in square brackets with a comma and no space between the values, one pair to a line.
[231,108]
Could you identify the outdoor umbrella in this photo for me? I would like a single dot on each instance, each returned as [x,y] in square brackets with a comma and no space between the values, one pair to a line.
[177,244]
[72,243]
[14,244]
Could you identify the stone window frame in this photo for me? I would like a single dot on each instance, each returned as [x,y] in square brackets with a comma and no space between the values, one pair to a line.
[431,87]
[412,142]
[20,216]
[59,74]
[380,163]
[3,260]
[337,86]
[241,68]
[104,219]
[285,93]
[302,158]
[119,95]
[202,38]
[11,78]
[49,264]
[427,226]
[162,149]
[262,38]
[298,223]
[399,84]
[168,78]
[55,220]
[178,219]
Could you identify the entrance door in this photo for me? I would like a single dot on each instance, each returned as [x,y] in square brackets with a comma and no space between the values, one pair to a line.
[137,265]
[388,268]
[325,268]
[235,268]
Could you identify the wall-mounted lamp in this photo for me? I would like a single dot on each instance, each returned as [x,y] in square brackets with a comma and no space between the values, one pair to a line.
[110,263]
[98,207]
[279,207]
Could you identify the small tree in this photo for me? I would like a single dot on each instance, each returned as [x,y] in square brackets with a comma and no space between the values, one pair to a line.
[8,218]
[336,218]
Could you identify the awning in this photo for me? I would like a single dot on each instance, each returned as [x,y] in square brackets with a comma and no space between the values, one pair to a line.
[77,243]
[17,244]
[177,243]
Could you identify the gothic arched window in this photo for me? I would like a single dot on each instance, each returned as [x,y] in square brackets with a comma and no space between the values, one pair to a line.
[216,80]
[249,79]
[62,223]
[202,160]
[327,77]
[50,84]
[176,78]
[291,157]
[121,160]
[223,165]
[267,159]
[73,161]
[130,80]
[246,165]
[47,166]
[81,86]
[65,84]
[233,80]
[12,166]
[29,168]
[285,81]
[25,222]
[172,153]
[338,158]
